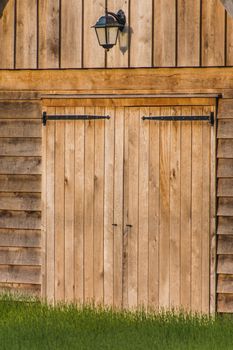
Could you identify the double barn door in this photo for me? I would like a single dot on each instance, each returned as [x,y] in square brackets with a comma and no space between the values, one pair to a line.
[127,204]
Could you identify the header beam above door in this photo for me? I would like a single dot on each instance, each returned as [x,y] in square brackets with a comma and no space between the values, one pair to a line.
[139,81]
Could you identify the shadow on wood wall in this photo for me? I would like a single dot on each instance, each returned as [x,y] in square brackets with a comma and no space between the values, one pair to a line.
[2,6]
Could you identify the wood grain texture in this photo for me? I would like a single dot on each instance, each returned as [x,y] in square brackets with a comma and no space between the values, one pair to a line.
[143,211]
[20,128]
[160,33]
[108,207]
[225,129]
[153,202]
[69,152]
[225,206]
[20,183]
[141,33]
[175,210]
[20,238]
[186,217]
[59,211]
[20,256]
[118,207]
[20,110]
[188,51]
[164,33]
[225,226]
[20,165]
[225,264]
[225,109]
[122,81]
[79,207]
[225,187]
[225,303]
[20,146]
[71,34]
[225,244]
[20,274]
[89,209]
[225,148]
[48,55]
[225,168]
[225,284]
[213,33]
[26,34]
[7,23]
[99,176]
[20,201]
[164,188]
[229,38]
[93,53]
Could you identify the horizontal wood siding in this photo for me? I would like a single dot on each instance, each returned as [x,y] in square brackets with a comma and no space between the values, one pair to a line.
[225,207]
[58,34]
[20,197]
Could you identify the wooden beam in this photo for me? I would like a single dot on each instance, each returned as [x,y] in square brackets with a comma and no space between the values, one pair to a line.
[110,81]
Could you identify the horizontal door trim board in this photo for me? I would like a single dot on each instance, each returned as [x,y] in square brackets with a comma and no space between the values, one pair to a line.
[139,101]
[131,81]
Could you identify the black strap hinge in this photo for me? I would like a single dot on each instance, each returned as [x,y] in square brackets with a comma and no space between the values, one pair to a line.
[46,117]
[209,118]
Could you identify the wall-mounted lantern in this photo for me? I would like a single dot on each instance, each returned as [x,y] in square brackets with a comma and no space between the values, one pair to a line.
[107,28]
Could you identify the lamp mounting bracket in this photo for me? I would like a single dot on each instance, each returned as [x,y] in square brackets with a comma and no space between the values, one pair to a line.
[119,16]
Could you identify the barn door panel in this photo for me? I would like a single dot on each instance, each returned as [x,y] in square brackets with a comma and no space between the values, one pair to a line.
[79,203]
[167,209]
[128,208]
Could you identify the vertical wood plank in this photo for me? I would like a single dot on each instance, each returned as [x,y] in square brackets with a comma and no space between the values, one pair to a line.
[141,36]
[59,210]
[71,34]
[118,56]
[164,240]
[165,33]
[197,180]
[125,255]
[49,33]
[26,34]
[213,227]
[118,207]
[79,207]
[206,149]
[108,207]
[133,186]
[229,40]
[69,207]
[188,33]
[89,207]
[99,208]
[7,28]
[175,199]
[143,210]
[93,53]
[44,215]
[153,295]
[213,33]
[185,220]
[50,183]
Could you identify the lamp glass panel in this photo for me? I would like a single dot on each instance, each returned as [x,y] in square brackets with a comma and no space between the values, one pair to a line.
[101,35]
[112,33]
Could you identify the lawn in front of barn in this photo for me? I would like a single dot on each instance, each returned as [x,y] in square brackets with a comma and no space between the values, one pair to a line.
[33,325]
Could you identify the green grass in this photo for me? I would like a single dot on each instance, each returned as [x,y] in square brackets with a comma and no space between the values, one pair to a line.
[33,325]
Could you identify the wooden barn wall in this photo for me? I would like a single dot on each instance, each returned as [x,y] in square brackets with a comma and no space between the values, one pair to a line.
[159,33]
[225,207]
[20,196]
